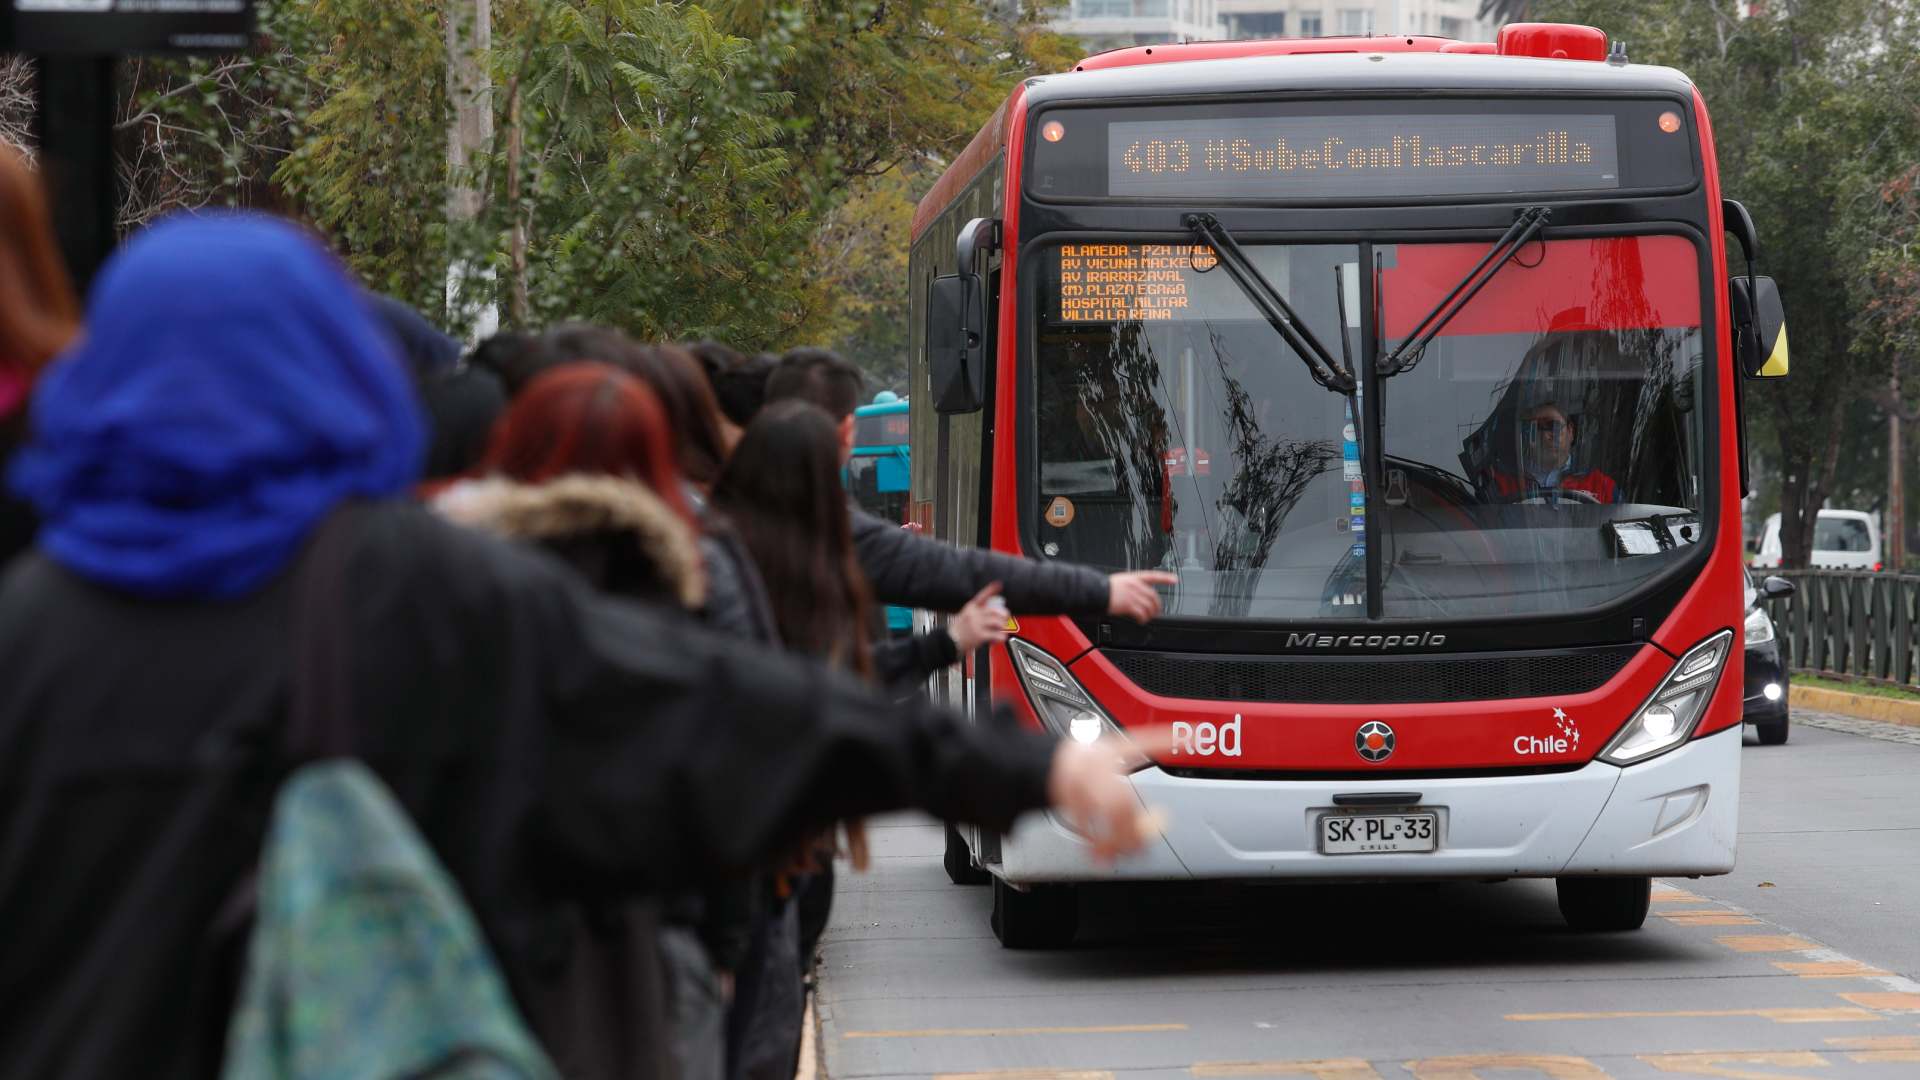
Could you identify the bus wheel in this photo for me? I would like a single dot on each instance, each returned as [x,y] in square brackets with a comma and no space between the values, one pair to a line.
[1605,903]
[1045,917]
[959,861]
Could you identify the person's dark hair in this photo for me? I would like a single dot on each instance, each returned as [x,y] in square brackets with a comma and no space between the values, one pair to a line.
[742,388]
[714,356]
[820,377]
[461,406]
[39,314]
[673,375]
[781,492]
[513,357]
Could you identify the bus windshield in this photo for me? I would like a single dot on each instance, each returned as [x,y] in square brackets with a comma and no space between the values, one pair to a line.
[1543,453]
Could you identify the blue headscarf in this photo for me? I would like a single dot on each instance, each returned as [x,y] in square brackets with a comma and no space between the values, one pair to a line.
[230,389]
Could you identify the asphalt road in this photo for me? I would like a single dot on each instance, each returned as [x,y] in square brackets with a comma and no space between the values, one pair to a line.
[1802,964]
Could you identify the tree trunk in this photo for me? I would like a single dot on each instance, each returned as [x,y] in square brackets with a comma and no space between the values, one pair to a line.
[469,131]
[1806,487]
[518,308]
[1793,499]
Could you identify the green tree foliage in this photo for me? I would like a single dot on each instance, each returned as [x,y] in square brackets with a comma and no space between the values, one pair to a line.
[369,165]
[863,251]
[671,168]
[657,188]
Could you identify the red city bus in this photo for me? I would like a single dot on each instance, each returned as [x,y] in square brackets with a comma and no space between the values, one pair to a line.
[1416,360]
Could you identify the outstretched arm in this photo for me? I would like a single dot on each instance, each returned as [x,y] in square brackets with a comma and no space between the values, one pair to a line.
[678,756]
[912,570]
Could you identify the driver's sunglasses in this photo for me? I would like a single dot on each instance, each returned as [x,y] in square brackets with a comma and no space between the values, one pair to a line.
[1536,428]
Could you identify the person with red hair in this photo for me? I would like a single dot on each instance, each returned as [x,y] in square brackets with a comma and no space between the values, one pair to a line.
[39,317]
[585,464]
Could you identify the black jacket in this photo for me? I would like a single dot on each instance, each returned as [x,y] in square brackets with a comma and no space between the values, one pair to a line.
[913,571]
[898,661]
[17,520]
[624,541]
[551,744]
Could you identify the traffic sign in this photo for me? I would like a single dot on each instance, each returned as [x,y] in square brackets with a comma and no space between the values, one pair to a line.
[110,27]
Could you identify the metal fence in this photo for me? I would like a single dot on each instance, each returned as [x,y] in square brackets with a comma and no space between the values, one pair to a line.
[1850,623]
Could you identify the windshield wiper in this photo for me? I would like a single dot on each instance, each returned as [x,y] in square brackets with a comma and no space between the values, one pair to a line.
[1325,370]
[1408,352]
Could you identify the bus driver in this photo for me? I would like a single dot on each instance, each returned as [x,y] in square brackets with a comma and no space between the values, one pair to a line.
[1547,428]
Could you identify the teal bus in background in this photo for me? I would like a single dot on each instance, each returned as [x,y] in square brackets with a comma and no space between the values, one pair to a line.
[878,472]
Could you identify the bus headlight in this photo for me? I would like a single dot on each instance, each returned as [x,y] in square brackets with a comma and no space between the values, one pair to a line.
[1670,715]
[1759,627]
[1064,705]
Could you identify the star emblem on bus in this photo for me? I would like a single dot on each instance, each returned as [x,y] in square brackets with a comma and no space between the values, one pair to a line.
[1568,728]
[1374,741]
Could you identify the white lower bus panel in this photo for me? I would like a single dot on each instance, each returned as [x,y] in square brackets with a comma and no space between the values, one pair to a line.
[1675,815]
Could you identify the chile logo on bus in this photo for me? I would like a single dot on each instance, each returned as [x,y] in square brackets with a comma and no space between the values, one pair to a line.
[1374,741]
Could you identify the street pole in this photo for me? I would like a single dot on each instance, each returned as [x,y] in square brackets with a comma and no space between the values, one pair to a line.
[1895,527]
[73,126]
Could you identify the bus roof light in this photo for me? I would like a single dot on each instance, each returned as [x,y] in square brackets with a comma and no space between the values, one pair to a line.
[1553,41]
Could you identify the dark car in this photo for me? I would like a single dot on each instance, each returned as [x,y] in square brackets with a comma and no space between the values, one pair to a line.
[1766,691]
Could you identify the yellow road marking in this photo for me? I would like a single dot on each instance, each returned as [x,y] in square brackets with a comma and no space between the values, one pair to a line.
[989,1033]
[1880,1049]
[1765,943]
[1827,969]
[1886,1057]
[1028,1074]
[1779,1016]
[1671,896]
[1876,1042]
[1725,1064]
[1728,919]
[1887,1001]
[1698,911]
[1331,1069]
[1468,1066]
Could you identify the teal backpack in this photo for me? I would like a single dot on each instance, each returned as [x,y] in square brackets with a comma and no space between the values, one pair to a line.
[364,963]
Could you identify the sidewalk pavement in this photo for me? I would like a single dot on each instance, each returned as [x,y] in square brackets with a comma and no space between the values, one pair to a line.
[1887,710]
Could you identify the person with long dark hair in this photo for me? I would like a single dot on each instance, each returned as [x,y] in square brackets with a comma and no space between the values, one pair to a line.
[781,492]
[38,317]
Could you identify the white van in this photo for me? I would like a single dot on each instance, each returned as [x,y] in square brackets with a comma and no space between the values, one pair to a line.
[1842,540]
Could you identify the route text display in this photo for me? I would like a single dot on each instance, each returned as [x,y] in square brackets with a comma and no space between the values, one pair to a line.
[1357,156]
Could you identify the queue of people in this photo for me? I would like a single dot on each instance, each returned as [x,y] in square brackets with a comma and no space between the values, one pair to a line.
[595,613]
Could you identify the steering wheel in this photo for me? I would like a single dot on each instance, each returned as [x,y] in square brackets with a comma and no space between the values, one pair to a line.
[1564,494]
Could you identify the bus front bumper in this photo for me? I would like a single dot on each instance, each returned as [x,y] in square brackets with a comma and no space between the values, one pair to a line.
[1675,815]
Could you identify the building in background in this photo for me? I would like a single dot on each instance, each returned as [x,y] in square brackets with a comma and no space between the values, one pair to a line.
[1117,24]
[1339,18]
[1109,24]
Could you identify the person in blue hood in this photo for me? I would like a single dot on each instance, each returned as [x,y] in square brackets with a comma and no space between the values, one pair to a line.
[229,390]
[225,589]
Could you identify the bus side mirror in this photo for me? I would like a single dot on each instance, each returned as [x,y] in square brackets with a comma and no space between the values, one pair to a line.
[956,367]
[1759,327]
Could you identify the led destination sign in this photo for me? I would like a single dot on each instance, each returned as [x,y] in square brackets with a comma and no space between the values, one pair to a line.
[1353,156]
[1106,283]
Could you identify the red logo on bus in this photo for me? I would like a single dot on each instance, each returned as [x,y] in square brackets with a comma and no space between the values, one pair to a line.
[1374,741]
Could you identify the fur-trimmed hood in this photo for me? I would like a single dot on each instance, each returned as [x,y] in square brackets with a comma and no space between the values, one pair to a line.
[576,506]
